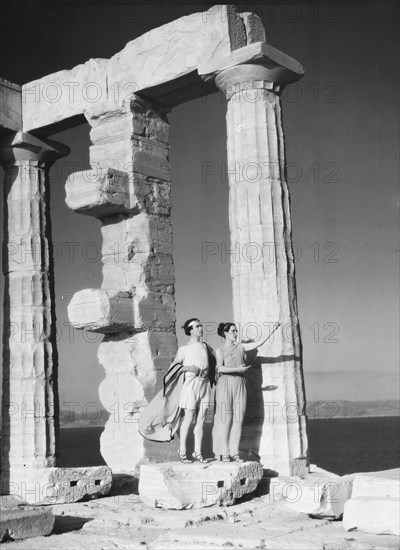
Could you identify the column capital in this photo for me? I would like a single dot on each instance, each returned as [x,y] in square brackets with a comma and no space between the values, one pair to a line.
[22,146]
[257,65]
[246,77]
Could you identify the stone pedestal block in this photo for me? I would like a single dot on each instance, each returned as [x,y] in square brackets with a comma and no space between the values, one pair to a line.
[18,520]
[319,494]
[379,515]
[385,483]
[59,485]
[184,486]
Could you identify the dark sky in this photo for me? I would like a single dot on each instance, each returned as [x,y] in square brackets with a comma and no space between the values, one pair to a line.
[341,127]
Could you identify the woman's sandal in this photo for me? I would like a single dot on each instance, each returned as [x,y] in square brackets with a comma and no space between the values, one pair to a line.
[237,458]
[224,458]
[200,458]
[183,458]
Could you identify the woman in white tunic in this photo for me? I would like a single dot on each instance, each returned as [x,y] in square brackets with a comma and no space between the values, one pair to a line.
[195,396]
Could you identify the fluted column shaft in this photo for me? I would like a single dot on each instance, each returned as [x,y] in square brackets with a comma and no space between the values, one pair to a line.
[262,266]
[30,394]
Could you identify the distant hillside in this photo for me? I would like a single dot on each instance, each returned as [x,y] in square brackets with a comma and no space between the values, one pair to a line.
[318,410]
[95,416]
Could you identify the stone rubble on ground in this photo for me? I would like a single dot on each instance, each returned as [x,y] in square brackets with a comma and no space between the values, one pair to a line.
[124,521]
[62,485]
[18,520]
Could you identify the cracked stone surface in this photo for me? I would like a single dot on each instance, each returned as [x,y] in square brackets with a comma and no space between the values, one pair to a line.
[179,486]
[258,521]
[18,520]
[246,525]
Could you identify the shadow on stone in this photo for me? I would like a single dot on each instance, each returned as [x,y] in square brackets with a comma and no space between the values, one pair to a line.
[124,484]
[66,524]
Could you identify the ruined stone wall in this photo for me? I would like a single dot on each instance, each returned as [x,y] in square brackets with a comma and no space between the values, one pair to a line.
[129,190]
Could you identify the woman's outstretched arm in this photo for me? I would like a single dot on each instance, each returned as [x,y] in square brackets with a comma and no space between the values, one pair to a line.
[254,345]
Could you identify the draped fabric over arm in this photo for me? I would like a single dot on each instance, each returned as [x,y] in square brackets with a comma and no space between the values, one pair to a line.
[162,417]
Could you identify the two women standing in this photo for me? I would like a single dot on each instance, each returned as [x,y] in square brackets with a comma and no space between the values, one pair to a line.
[185,397]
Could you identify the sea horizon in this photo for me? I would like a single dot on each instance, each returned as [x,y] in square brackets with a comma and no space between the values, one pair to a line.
[338,445]
[315,410]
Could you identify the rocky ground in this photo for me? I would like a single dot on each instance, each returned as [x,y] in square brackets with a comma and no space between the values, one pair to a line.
[122,521]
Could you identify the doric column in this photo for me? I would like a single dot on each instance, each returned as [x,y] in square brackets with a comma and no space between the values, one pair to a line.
[30,394]
[262,266]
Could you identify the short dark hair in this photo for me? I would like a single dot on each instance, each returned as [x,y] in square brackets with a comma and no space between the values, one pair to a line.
[187,328]
[224,327]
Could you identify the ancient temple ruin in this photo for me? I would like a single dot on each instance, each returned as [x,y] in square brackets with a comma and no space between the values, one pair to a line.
[126,100]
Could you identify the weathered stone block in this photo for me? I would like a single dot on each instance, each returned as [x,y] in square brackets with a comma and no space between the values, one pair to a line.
[58,485]
[254,28]
[282,68]
[154,195]
[56,97]
[156,310]
[379,515]
[237,30]
[150,158]
[108,312]
[144,62]
[183,486]
[124,240]
[10,106]
[319,494]
[100,311]
[99,197]
[18,520]
[384,483]
[130,362]
[149,122]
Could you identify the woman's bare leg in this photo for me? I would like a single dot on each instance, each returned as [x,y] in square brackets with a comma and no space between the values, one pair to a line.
[188,419]
[199,430]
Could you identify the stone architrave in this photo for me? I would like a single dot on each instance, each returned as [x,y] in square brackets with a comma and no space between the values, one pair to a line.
[30,393]
[160,59]
[135,307]
[262,266]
